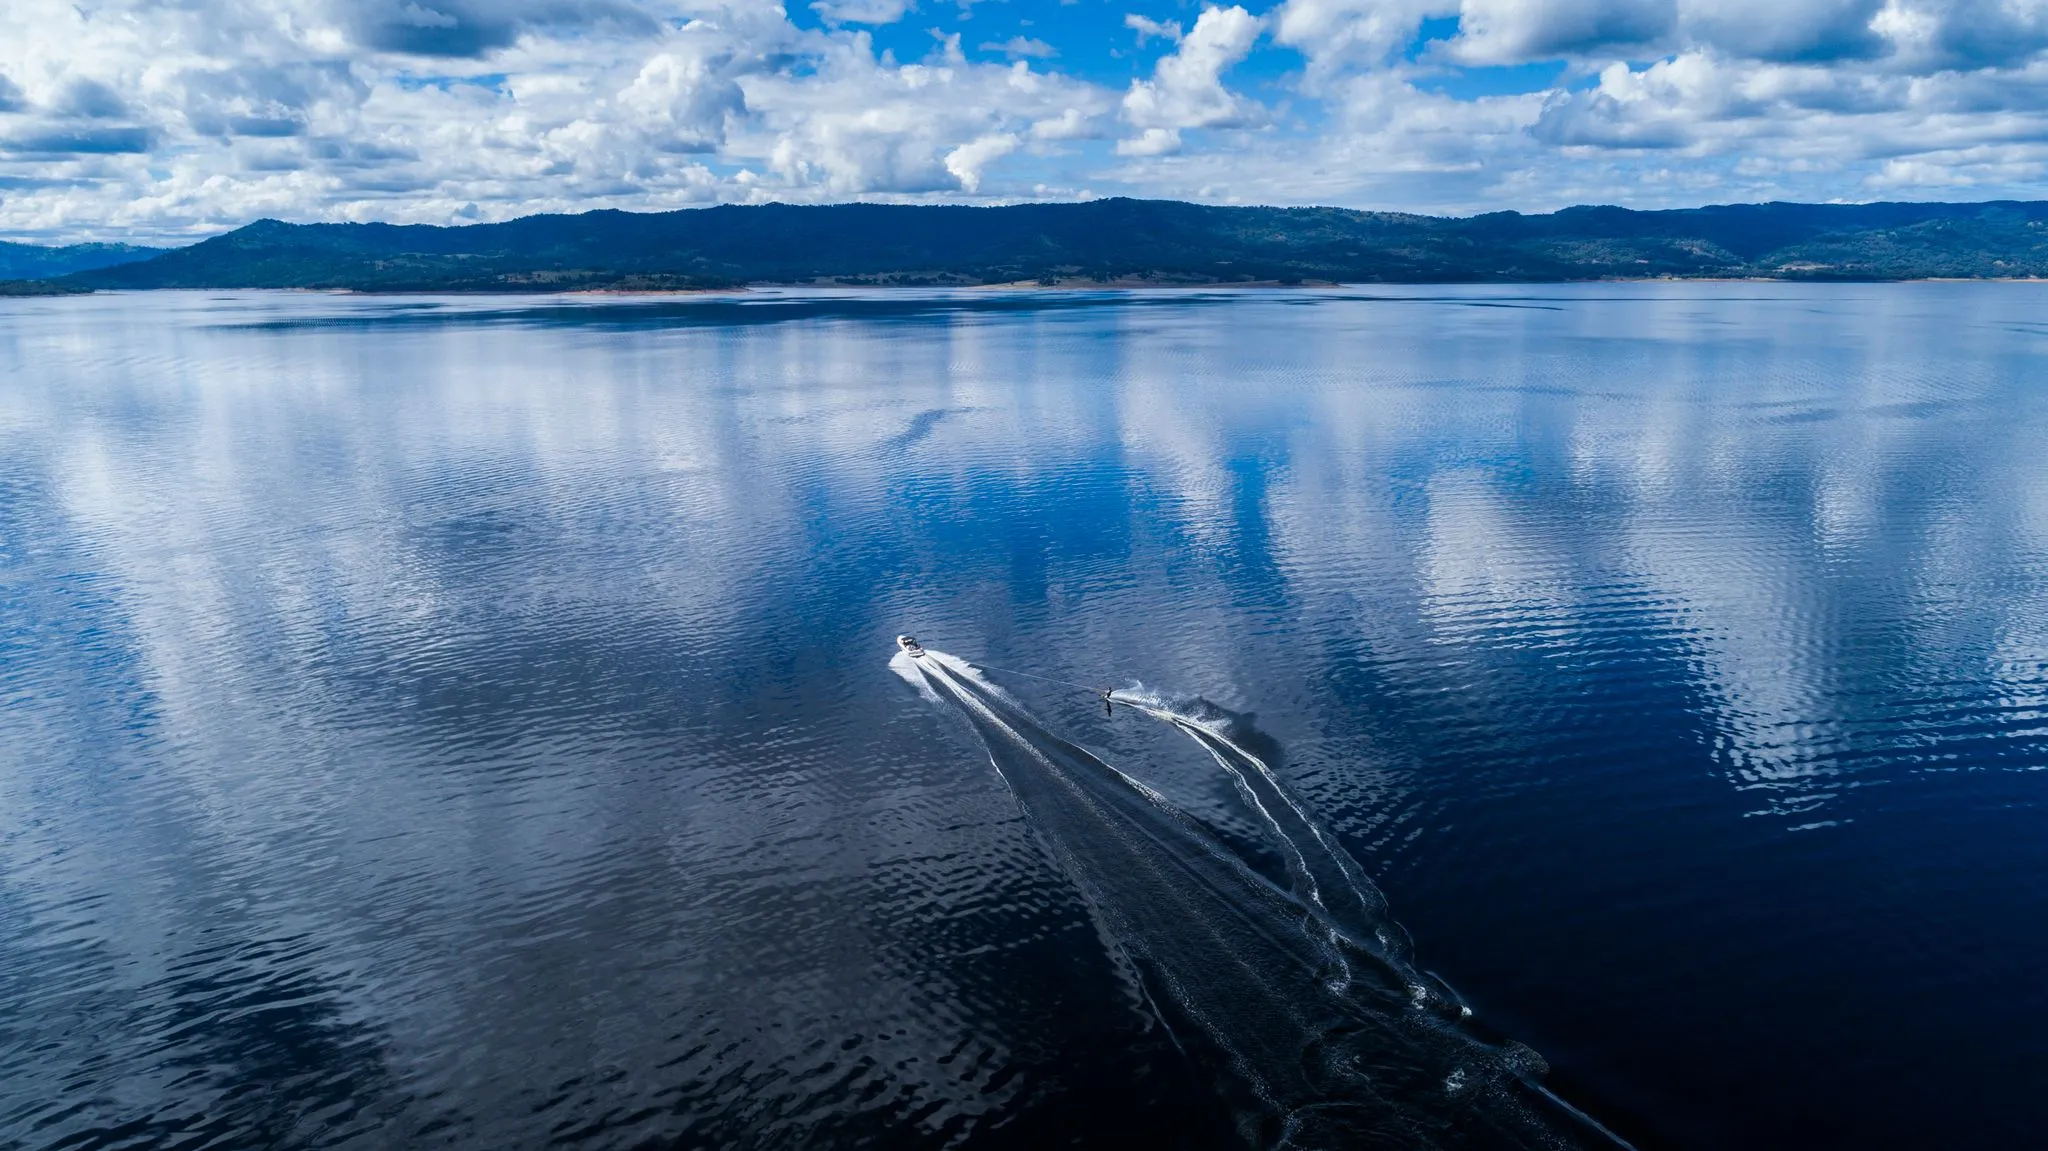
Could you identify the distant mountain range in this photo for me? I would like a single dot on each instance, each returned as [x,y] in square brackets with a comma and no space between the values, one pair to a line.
[34,262]
[31,269]
[1101,241]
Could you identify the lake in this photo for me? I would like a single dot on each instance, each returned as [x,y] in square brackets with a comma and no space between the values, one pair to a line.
[471,721]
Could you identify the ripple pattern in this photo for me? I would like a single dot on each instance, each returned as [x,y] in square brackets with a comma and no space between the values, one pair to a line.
[456,721]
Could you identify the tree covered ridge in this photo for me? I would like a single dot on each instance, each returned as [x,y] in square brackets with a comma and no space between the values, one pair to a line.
[1118,240]
[30,262]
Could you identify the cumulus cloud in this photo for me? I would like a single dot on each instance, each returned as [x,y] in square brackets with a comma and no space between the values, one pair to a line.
[1150,29]
[967,161]
[1797,95]
[1693,100]
[60,142]
[1186,89]
[1965,33]
[1507,31]
[90,100]
[468,28]
[1336,34]
[1022,47]
[1786,30]
[855,124]
[1072,123]
[1918,35]
[683,100]
[1658,107]
[863,11]
[127,119]
[138,119]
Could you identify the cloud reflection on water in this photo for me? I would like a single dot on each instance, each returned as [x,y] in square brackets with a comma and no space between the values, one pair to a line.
[500,646]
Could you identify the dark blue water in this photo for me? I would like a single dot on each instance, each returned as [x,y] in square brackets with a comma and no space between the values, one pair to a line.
[470,722]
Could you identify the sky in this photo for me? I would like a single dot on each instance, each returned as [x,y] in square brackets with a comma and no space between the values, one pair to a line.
[166,120]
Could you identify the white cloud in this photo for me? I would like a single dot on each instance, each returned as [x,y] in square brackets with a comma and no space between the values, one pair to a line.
[1336,34]
[1917,174]
[1785,30]
[682,100]
[1914,34]
[1150,142]
[1967,33]
[855,125]
[1505,31]
[1186,90]
[1698,100]
[863,11]
[136,119]
[1150,29]
[1022,47]
[146,122]
[1070,124]
[967,161]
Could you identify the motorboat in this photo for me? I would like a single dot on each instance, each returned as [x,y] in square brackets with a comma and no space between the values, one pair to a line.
[910,645]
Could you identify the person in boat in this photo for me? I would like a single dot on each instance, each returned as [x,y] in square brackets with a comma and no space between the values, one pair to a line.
[915,650]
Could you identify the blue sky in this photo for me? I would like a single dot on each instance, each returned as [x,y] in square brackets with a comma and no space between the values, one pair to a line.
[126,119]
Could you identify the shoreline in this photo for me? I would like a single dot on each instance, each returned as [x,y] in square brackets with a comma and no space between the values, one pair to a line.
[45,289]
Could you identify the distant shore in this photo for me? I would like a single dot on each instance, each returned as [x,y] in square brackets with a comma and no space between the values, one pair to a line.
[42,289]
[18,288]
[1095,244]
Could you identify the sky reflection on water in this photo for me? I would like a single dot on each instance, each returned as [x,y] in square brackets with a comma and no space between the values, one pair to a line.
[468,719]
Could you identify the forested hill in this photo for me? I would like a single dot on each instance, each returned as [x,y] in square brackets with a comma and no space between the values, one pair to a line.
[35,262]
[1110,241]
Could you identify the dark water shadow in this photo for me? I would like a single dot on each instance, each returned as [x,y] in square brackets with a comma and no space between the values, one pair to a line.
[921,426]
[732,311]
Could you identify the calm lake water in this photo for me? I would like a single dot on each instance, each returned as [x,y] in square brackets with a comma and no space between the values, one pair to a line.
[470,721]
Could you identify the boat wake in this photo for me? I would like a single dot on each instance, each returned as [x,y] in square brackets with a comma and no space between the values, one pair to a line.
[1302,1004]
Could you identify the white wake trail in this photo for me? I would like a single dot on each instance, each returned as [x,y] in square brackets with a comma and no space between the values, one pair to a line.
[1302,1004]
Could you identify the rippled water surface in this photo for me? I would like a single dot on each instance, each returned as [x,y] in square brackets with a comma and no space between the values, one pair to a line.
[470,722]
